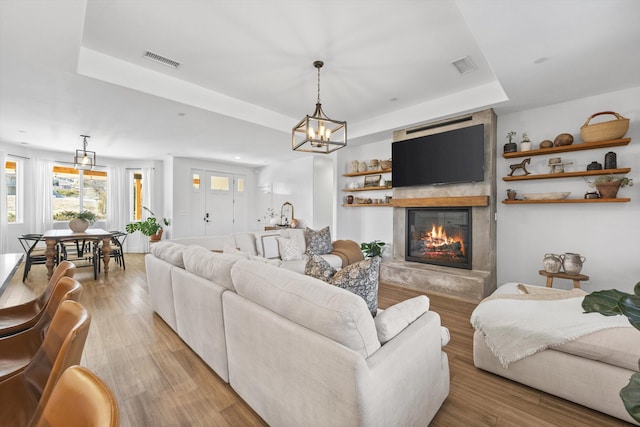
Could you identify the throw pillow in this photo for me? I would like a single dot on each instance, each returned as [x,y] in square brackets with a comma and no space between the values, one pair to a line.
[260,241]
[361,278]
[318,242]
[394,319]
[317,267]
[289,249]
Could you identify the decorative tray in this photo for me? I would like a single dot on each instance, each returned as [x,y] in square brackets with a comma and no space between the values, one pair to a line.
[546,196]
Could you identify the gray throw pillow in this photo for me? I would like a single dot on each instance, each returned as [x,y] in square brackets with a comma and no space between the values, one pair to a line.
[317,267]
[318,242]
[361,278]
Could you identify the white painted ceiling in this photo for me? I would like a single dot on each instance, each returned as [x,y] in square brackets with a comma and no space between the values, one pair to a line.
[71,67]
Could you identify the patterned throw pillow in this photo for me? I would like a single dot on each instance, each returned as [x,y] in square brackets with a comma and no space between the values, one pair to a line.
[289,249]
[318,242]
[361,278]
[317,267]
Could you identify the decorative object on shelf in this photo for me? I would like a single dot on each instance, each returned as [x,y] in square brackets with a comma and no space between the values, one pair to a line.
[546,144]
[349,199]
[82,221]
[294,223]
[388,183]
[387,199]
[563,139]
[385,164]
[372,181]
[511,194]
[546,196]
[594,166]
[372,249]
[286,214]
[318,133]
[522,165]
[362,167]
[150,227]
[604,131]
[510,146]
[572,263]
[610,160]
[84,159]
[551,263]
[591,195]
[608,185]
[525,144]
[354,166]
[374,164]
[556,165]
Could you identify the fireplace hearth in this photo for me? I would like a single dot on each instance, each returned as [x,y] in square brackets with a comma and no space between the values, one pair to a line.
[439,236]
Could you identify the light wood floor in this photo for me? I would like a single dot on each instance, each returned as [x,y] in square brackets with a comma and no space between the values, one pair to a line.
[159,381]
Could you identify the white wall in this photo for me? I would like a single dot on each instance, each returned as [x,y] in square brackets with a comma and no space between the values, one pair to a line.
[363,224]
[607,234]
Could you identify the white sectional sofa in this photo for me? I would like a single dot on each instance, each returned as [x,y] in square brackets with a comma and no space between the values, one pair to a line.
[299,351]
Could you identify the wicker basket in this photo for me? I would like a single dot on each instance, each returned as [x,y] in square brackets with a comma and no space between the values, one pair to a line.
[385,164]
[605,131]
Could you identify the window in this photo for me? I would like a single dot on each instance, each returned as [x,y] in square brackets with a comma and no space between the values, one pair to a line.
[14,192]
[220,183]
[75,191]
[240,184]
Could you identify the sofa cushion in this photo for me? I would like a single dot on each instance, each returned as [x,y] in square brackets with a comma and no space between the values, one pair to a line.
[319,268]
[393,320]
[169,251]
[361,278]
[210,265]
[246,242]
[288,248]
[212,243]
[318,242]
[329,311]
[298,234]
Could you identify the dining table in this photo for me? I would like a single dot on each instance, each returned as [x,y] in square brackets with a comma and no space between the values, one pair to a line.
[53,237]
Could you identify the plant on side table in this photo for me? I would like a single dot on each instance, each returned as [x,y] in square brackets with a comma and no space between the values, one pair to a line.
[372,249]
[613,302]
[149,227]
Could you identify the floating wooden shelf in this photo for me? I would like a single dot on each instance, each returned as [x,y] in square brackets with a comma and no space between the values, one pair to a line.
[348,190]
[531,202]
[366,204]
[368,172]
[441,201]
[567,148]
[567,174]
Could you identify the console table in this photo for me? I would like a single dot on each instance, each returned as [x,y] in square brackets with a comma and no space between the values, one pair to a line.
[53,237]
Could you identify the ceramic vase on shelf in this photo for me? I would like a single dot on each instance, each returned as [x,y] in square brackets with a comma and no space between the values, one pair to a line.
[572,263]
[551,263]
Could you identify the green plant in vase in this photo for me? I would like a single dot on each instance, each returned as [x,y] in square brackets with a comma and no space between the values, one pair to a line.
[150,227]
[372,249]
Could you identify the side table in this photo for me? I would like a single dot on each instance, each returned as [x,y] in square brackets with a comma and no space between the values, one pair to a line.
[577,278]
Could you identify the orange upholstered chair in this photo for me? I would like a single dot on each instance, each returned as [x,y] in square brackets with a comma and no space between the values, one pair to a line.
[62,347]
[16,351]
[79,399]
[21,317]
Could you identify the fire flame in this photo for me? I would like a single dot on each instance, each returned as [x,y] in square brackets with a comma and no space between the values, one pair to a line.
[437,238]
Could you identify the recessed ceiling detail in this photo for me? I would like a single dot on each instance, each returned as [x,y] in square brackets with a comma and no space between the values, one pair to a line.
[464,65]
[161,59]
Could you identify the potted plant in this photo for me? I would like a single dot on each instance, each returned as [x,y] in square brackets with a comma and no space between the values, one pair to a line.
[372,249]
[81,221]
[608,185]
[149,227]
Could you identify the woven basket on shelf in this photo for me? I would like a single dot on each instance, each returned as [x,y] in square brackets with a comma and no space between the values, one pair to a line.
[605,131]
[385,164]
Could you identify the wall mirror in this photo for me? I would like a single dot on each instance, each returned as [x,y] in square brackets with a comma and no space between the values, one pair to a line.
[286,214]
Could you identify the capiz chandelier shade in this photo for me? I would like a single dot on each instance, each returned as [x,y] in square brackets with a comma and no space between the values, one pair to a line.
[317,133]
[84,159]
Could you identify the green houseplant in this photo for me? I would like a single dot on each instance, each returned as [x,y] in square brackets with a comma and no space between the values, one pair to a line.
[372,249]
[150,227]
[80,221]
[613,302]
[608,185]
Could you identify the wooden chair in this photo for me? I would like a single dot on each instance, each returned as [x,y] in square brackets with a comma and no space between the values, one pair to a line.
[62,347]
[16,351]
[117,251]
[23,316]
[79,399]
[34,252]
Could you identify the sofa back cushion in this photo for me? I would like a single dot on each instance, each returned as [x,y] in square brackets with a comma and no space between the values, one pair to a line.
[213,243]
[170,252]
[246,242]
[327,310]
[210,265]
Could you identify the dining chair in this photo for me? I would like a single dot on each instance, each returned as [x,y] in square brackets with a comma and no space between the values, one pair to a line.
[34,248]
[117,248]
[79,399]
[62,347]
[17,318]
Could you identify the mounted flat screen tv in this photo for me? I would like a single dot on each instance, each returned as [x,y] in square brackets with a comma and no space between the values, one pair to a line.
[444,158]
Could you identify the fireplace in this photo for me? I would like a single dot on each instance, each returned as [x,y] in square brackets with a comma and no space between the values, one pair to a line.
[440,236]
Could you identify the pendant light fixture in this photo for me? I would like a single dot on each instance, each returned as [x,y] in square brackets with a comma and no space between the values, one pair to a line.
[318,133]
[84,160]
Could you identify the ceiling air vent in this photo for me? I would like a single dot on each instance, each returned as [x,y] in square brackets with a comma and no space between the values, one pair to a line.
[464,65]
[161,59]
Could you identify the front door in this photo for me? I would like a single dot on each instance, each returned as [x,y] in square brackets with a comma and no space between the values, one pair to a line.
[218,203]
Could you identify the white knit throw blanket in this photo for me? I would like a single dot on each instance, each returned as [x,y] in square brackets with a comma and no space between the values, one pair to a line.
[516,328]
